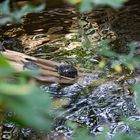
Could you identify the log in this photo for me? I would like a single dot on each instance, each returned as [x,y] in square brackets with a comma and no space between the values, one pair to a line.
[48,72]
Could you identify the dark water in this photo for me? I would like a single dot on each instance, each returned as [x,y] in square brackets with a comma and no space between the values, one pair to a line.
[89,102]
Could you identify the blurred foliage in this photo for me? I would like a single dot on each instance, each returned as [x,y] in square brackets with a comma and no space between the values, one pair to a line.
[87,5]
[99,57]
[125,137]
[31,106]
[137,93]
[82,133]
[7,16]
[130,60]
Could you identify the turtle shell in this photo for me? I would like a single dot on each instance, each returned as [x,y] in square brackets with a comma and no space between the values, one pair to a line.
[67,70]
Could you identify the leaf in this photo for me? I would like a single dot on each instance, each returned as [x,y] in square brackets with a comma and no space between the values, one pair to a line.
[102,63]
[136,61]
[71,124]
[14,89]
[112,3]
[4,20]
[5,7]
[82,133]
[32,108]
[74,1]
[15,16]
[5,68]
[3,62]
[86,5]
[136,88]
[104,49]
[118,68]
[124,137]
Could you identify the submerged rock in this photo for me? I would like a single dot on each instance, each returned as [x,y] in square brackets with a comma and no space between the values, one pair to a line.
[97,103]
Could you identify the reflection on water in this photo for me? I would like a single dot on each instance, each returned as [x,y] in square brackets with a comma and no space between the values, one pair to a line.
[51,34]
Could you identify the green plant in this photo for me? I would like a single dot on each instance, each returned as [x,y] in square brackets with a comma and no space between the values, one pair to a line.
[31,106]
[88,5]
[129,60]
[8,16]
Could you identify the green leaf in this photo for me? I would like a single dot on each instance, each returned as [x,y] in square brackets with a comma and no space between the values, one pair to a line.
[136,88]
[112,3]
[5,68]
[104,49]
[82,133]
[14,89]
[136,61]
[32,108]
[86,6]
[15,16]
[27,9]
[71,124]
[3,62]
[124,137]
[4,20]
[5,7]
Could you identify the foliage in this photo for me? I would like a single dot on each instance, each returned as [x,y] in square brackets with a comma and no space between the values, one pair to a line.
[31,106]
[82,133]
[137,93]
[6,15]
[87,5]
[129,60]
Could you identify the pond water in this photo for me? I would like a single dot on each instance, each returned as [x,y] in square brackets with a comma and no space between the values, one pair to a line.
[98,100]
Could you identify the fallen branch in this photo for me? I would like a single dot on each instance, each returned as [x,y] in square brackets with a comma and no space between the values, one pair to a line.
[48,71]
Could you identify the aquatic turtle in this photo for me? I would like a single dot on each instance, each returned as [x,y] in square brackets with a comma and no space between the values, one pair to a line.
[67,70]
